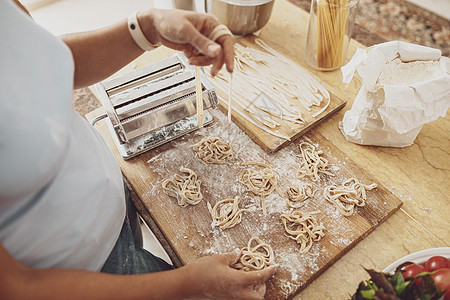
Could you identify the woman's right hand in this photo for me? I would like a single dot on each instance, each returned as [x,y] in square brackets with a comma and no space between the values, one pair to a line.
[189,31]
[213,276]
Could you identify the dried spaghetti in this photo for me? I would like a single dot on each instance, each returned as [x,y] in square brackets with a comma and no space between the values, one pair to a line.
[331,21]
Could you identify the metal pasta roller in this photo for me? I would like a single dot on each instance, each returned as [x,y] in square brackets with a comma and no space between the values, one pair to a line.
[153,105]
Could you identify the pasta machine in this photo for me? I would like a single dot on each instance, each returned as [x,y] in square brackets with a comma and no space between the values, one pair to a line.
[154,104]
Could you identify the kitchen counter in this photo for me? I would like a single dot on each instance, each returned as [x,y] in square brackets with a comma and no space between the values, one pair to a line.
[377,21]
[418,175]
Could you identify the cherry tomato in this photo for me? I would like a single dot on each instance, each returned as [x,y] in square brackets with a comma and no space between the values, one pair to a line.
[412,270]
[442,278]
[436,262]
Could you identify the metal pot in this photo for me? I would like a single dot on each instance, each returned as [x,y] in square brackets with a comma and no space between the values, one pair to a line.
[241,16]
[184,4]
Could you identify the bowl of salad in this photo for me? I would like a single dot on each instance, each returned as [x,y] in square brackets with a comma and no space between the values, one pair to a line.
[421,275]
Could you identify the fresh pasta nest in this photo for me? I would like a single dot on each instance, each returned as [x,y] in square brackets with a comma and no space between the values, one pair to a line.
[185,188]
[213,150]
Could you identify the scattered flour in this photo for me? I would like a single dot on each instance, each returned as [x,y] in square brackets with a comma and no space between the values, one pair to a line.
[221,181]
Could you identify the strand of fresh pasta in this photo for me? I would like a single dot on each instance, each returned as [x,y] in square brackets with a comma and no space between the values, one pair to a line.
[314,85]
[260,182]
[245,96]
[230,90]
[199,97]
[226,213]
[255,257]
[262,117]
[312,163]
[212,150]
[275,76]
[350,194]
[258,125]
[298,194]
[185,188]
[271,73]
[303,228]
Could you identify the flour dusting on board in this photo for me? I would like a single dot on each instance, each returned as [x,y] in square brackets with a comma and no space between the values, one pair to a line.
[192,225]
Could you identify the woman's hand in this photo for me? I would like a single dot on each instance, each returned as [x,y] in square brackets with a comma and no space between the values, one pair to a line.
[188,32]
[212,276]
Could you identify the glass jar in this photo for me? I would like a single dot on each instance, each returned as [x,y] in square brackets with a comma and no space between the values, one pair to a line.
[329,32]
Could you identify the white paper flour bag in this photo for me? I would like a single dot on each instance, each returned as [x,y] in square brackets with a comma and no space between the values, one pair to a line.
[405,86]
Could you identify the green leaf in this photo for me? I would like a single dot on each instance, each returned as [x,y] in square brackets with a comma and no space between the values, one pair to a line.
[399,283]
[368,294]
[397,278]
[372,285]
[399,288]
[424,297]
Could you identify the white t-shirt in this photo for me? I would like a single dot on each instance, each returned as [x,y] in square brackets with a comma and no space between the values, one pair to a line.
[61,190]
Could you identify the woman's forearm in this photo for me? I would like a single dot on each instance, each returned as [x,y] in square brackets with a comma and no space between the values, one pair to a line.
[20,282]
[100,53]
[76,284]
[207,276]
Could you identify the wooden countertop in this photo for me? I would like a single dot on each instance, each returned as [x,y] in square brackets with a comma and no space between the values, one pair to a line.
[418,175]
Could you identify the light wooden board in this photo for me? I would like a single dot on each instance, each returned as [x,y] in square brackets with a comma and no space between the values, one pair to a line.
[189,230]
[271,143]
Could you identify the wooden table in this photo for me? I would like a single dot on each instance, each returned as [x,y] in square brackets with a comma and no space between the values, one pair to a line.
[418,175]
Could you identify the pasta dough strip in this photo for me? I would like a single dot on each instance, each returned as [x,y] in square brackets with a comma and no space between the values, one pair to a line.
[261,126]
[350,194]
[199,97]
[229,96]
[255,257]
[269,72]
[185,188]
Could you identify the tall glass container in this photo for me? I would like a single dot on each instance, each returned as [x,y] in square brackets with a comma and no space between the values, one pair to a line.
[329,32]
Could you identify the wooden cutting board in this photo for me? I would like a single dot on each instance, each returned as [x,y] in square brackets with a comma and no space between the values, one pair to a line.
[271,143]
[189,230]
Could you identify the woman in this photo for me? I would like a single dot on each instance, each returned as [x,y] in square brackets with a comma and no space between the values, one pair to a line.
[61,190]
